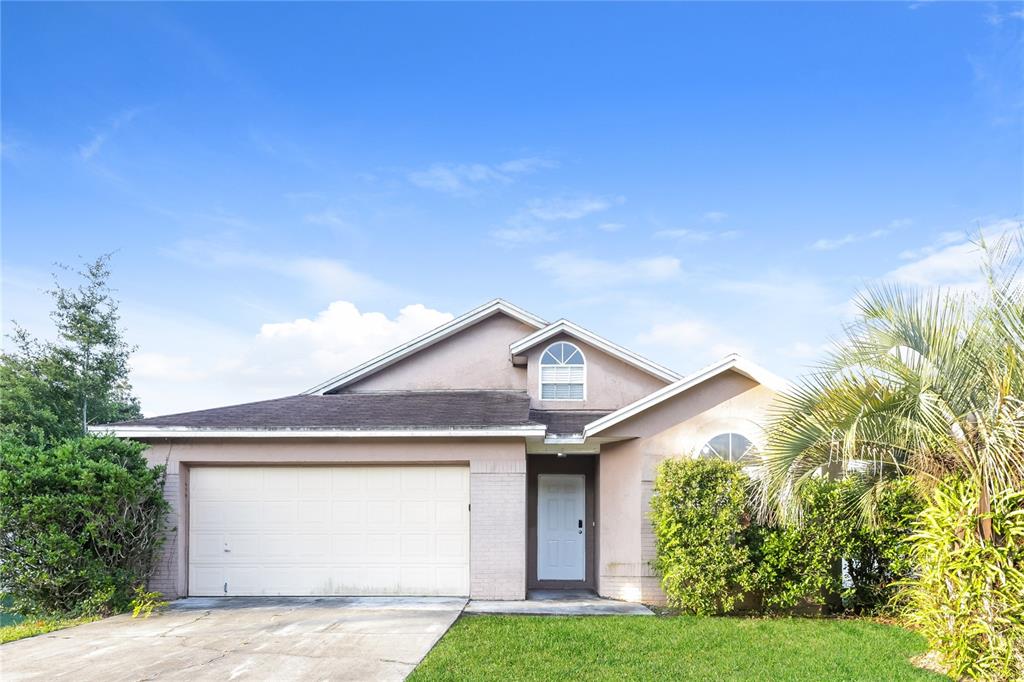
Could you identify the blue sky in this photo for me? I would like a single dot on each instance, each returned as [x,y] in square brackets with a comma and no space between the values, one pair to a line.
[292,189]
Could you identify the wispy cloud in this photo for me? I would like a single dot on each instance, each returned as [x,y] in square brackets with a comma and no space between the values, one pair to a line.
[531,224]
[954,261]
[92,147]
[568,207]
[572,271]
[324,276]
[684,234]
[610,227]
[831,244]
[330,218]
[715,216]
[461,179]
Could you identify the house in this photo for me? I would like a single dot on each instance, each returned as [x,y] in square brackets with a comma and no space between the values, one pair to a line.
[495,454]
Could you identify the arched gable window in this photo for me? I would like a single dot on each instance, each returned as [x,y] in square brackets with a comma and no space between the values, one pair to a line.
[563,373]
[732,447]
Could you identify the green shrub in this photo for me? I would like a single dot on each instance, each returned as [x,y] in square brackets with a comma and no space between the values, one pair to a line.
[881,555]
[699,515]
[967,594]
[802,563]
[144,603]
[80,524]
[711,558]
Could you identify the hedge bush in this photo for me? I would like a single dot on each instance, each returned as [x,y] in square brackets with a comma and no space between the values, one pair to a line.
[699,516]
[80,525]
[711,558]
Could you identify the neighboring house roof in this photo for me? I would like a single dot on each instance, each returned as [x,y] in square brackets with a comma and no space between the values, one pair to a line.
[384,413]
[732,362]
[423,341]
[568,328]
[565,422]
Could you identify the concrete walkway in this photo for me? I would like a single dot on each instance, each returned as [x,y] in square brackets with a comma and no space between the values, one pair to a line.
[559,603]
[331,638]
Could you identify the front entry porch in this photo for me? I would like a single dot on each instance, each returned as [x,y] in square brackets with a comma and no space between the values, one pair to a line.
[561,523]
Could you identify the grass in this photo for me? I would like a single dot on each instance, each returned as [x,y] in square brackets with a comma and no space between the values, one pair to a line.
[30,627]
[676,648]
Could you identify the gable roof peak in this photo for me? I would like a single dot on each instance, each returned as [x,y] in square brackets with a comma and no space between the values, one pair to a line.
[481,312]
[564,326]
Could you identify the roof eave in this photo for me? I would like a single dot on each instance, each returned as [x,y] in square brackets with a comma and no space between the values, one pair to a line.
[225,433]
[731,362]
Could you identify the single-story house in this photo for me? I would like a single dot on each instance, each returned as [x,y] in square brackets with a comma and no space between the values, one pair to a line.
[495,454]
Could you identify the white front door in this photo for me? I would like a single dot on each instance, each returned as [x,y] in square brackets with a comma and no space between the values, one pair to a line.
[561,536]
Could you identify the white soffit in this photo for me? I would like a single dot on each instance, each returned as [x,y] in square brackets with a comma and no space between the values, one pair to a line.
[574,330]
[185,432]
[424,340]
[731,362]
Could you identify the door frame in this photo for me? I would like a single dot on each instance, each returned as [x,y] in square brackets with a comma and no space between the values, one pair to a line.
[585,465]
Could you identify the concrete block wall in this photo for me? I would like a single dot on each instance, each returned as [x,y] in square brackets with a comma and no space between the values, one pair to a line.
[497,562]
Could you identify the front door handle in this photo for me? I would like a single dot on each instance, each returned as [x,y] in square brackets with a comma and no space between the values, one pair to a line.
[580,526]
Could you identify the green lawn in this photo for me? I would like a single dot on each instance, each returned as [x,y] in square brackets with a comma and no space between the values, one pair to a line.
[30,627]
[676,648]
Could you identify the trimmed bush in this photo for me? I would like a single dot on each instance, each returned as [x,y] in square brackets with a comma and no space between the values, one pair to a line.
[711,558]
[80,525]
[967,595]
[699,515]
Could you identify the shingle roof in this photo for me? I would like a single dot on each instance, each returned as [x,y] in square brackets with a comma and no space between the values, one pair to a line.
[565,422]
[362,410]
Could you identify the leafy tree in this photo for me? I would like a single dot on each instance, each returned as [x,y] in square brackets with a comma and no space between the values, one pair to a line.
[51,390]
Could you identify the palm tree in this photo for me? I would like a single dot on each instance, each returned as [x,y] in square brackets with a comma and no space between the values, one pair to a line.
[925,383]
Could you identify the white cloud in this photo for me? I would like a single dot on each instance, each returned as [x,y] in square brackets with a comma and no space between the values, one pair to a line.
[576,272]
[89,149]
[325,276]
[533,234]
[610,227]
[682,334]
[715,216]
[826,244]
[568,207]
[954,262]
[210,366]
[684,234]
[465,178]
[527,226]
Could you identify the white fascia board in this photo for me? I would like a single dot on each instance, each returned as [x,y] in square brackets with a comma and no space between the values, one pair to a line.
[574,330]
[428,339]
[180,432]
[730,362]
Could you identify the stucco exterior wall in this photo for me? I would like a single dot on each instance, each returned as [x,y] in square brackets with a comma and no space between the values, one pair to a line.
[678,427]
[611,383]
[497,493]
[475,358]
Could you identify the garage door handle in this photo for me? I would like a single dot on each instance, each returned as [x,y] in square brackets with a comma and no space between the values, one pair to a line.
[226,549]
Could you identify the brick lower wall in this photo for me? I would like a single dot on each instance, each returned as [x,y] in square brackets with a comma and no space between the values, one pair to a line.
[497,564]
[165,574]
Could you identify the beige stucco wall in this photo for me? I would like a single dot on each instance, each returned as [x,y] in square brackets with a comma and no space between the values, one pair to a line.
[611,383]
[475,358]
[497,494]
[677,427]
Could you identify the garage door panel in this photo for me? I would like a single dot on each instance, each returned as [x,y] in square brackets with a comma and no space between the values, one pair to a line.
[329,530]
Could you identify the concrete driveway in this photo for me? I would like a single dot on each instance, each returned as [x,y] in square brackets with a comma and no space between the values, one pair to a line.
[333,638]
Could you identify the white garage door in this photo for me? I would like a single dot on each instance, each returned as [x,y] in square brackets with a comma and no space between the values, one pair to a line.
[329,530]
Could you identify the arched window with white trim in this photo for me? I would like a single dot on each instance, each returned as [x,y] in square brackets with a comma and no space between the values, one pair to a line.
[732,447]
[563,373]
